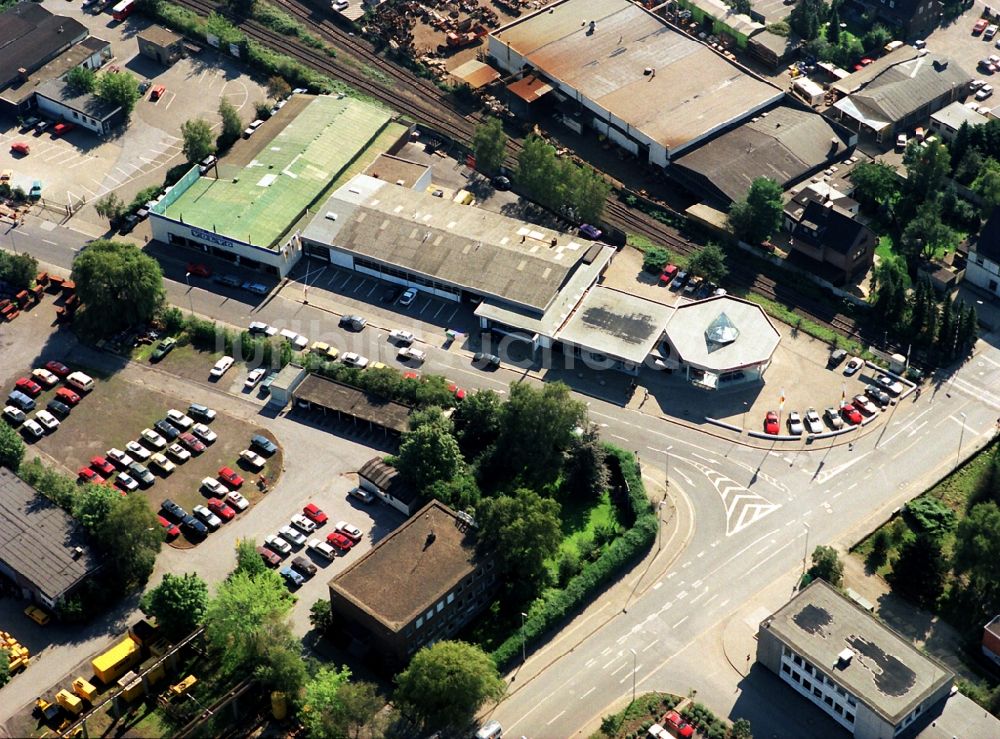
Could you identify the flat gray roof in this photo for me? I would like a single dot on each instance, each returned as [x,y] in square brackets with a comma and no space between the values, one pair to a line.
[693,91]
[396,169]
[460,245]
[38,539]
[886,671]
[755,342]
[955,114]
[616,324]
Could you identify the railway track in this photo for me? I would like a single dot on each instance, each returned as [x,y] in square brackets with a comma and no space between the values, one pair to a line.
[422,100]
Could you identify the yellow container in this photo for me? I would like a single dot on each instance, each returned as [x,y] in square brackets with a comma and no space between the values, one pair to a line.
[183,686]
[84,689]
[279,705]
[69,701]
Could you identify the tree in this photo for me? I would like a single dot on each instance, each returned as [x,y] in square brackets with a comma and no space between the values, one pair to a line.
[977,544]
[948,330]
[130,537]
[925,234]
[807,17]
[11,447]
[232,126]
[197,136]
[833,25]
[118,88]
[968,330]
[826,564]
[876,38]
[741,729]
[428,455]
[278,88]
[585,473]
[923,313]
[744,7]
[926,170]
[118,284]
[92,507]
[756,217]
[655,259]
[710,263]
[588,191]
[320,616]
[178,603]
[18,270]
[81,79]
[987,185]
[889,293]
[489,145]
[248,559]
[875,183]
[522,531]
[322,702]
[279,664]
[237,614]
[920,569]
[477,422]
[445,684]
[358,703]
[110,207]
[880,548]
[535,172]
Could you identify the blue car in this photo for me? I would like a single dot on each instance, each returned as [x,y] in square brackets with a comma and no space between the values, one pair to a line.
[291,576]
[264,444]
[22,401]
[590,232]
[679,281]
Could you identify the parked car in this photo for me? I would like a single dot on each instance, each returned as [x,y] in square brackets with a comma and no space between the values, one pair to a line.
[191,442]
[314,514]
[228,476]
[221,367]
[984,92]
[160,461]
[253,459]
[236,501]
[324,350]
[60,409]
[292,578]
[794,421]
[13,414]
[304,566]
[119,457]
[265,386]
[29,387]
[49,422]
[126,482]
[351,531]
[878,396]
[259,441]
[680,727]
[408,353]
[354,323]
[771,423]
[679,280]
[174,512]
[153,439]
[408,296]
[227,280]
[361,494]
[271,558]
[87,475]
[277,544]
[259,327]
[220,509]
[170,530]
[588,231]
[194,528]
[166,430]
[668,274]
[891,386]
[339,541]
[100,464]
[20,400]
[179,453]
[303,524]
[980,26]
[299,341]
[255,287]
[141,473]
[864,405]
[196,268]
[400,337]
[853,365]
[201,412]
[321,548]
[67,396]
[138,451]
[255,376]
[44,378]
[204,433]
[292,536]
[850,414]
[484,360]
[57,368]
[813,423]
[163,349]
[208,518]
[836,357]
[353,359]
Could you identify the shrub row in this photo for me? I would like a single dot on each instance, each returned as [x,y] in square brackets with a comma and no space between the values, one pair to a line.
[555,604]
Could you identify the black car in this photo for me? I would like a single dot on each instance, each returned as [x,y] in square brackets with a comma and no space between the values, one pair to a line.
[173,511]
[193,527]
[264,444]
[501,183]
[163,349]
[482,360]
[355,323]
[141,473]
[877,396]
[304,566]
[679,280]
[166,429]
[60,409]
[836,357]
[227,280]
[391,295]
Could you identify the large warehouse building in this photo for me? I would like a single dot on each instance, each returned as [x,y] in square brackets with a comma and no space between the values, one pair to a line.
[620,69]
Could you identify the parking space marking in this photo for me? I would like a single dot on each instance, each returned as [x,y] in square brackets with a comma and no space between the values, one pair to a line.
[441,308]
[373,287]
[450,317]
[172,98]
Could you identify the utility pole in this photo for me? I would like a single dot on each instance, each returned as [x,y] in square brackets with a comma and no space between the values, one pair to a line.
[523,646]
[961,437]
[633,674]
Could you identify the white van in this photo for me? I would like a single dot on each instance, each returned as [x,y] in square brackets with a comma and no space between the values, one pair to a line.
[80,381]
[492,730]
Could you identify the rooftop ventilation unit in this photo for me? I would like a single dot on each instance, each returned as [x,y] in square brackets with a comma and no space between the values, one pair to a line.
[844,659]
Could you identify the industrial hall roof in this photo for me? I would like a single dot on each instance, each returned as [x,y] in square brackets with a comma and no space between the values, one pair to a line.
[30,35]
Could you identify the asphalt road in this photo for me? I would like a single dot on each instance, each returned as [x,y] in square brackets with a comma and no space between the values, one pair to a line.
[757,511]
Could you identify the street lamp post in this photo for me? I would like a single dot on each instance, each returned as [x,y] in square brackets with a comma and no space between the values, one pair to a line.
[961,438]
[633,674]
[805,552]
[523,648]
[746,407]
[659,525]
[187,278]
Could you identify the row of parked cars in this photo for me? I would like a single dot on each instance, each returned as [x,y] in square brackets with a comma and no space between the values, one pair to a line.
[692,286]
[300,533]
[878,395]
[24,398]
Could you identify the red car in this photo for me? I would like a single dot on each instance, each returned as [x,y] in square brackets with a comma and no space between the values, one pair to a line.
[314,514]
[980,26]
[455,390]
[29,387]
[100,464]
[271,559]
[20,147]
[851,414]
[86,474]
[229,476]
[668,274]
[411,375]
[192,442]
[67,396]
[771,425]
[60,128]
[220,509]
[173,530]
[681,727]
[199,270]
[57,368]
[339,541]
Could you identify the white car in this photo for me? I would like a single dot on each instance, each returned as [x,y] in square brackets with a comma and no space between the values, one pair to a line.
[50,422]
[303,524]
[259,327]
[178,419]
[13,414]
[141,453]
[44,378]
[292,536]
[213,486]
[221,367]
[179,453]
[408,297]
[813,422]
[795,423]
[236,499]
[254,377]
[340,5]
[891,386]
[204,433]
[126,481]
[411,354]
[277,544]
[299,341]
[253,459]
[984,92]
[153,439]
[853,365]
[33,429]
[160,460]
[351,531]
[211,520]
[401,337]
[119,457]
[351,359]
[322,548]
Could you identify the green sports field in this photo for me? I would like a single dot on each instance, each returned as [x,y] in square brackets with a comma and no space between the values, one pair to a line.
[260,201]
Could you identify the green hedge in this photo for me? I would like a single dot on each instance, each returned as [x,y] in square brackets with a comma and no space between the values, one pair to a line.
[554,605]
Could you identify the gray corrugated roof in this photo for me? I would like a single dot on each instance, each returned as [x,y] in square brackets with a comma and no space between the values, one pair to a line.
[785,145]
[37,539]
[337,396]
[30,36]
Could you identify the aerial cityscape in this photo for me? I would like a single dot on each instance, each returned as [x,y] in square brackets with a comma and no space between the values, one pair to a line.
[536,369]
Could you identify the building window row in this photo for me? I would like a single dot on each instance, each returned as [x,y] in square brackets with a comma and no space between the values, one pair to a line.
[404,275]
[822,689]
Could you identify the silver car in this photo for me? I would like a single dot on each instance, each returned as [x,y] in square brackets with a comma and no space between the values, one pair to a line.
[795,427]
[292,536]
[813,423]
